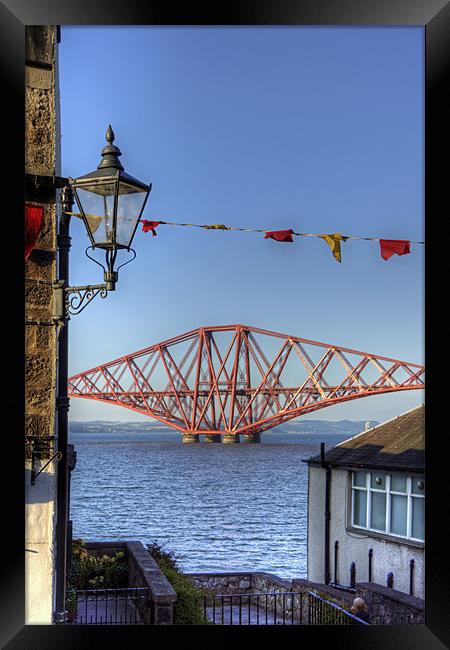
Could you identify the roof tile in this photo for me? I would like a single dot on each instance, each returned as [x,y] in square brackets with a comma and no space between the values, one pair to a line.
[395,444]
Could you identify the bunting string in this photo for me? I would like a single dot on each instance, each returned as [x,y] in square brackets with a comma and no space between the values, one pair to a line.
[388,247]
[298,234]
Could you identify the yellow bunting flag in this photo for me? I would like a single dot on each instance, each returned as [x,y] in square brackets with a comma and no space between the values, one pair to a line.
[217,226]
[334,242]
[93,221]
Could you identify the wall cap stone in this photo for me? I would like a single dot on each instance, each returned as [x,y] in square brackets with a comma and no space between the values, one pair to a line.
[160,587]
[392,594]
[302,584]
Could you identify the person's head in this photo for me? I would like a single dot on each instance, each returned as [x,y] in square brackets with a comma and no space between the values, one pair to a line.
[359,605]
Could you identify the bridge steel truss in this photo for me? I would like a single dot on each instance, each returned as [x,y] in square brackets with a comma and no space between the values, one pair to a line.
[238,379]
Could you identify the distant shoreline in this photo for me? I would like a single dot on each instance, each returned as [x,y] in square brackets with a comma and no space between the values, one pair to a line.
[307,427]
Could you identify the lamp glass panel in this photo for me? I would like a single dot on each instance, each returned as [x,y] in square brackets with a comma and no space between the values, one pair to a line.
[98,206]
[131,202]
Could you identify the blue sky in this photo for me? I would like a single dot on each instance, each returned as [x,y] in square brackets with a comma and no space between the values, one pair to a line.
[318,129]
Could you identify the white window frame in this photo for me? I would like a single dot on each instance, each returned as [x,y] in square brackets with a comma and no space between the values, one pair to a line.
[368,489]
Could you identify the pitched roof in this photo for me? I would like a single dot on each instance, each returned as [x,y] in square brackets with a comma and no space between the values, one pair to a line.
[395,444]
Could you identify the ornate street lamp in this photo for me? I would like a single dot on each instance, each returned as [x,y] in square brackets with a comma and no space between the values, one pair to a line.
[111,203]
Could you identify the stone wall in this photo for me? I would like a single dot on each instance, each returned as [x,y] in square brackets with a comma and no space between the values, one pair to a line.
[261,582]
[342,598]
[143,571]
[248,583]
[42,143]
[391,607]
[278,591]
[273,585]
[223,583]
[386,606]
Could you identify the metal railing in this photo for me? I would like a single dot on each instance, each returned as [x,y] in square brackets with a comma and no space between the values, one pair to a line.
[274,608]
[325,612]
[124,606]
[133,606]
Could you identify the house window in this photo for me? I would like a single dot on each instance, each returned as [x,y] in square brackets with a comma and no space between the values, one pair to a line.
[389,503]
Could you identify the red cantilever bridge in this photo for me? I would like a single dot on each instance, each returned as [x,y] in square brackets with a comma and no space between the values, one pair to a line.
[235,379]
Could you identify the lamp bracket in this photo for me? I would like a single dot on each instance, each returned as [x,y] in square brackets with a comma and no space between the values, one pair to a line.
[42,188]
[34,474]
[72,300]
[40,448]
[77,298]
[55,182]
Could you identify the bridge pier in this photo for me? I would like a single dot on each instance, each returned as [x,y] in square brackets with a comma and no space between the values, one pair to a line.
[190,438]
[212,437]
[252,437]
[230,438]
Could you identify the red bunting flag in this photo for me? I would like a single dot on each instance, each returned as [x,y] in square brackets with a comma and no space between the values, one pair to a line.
[389,247]
[34,218]
[150,225]
[280,235]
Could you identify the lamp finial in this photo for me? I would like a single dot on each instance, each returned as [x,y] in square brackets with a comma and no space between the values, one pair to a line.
[110,137]
[110,153]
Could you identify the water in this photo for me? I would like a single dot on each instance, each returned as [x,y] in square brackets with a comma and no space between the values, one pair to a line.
[239,507]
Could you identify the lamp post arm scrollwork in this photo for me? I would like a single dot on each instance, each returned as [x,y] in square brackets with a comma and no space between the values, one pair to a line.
[77,298]
[69,301]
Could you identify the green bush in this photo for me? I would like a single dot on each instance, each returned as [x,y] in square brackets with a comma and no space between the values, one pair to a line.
[93,572]
[186,610]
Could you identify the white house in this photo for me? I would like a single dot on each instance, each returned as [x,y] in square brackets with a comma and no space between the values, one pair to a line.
[366,508]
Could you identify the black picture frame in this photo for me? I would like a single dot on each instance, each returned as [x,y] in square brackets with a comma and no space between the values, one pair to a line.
[434,15]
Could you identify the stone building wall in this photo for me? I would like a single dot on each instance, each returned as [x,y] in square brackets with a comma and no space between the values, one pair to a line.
[42,155]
